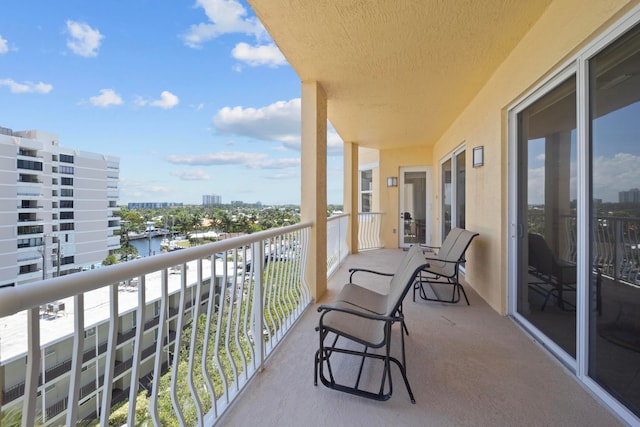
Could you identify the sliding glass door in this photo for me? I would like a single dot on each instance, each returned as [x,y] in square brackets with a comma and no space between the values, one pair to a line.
[575,200]
[614,311]
[547,216]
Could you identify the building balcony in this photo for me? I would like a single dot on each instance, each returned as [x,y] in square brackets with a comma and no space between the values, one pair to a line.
[467,364]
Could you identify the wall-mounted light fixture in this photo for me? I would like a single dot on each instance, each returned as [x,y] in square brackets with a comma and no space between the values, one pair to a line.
[478,156]
[392,181]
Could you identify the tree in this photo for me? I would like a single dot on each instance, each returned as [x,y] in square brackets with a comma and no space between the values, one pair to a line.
[109,260]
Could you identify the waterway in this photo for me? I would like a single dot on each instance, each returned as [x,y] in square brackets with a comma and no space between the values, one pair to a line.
[147,246]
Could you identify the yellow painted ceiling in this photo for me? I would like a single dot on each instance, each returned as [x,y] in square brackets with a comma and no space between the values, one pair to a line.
[396,72]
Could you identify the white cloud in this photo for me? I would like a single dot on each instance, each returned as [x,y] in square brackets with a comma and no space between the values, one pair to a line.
[255,56]
[223,158]
[167,100]
[107,98]
[191,175]
[4,46]
[26,87]
[614,174]
[275,164]
[611,175]
[84,40]
[284,175]
[225,17]
[279,122]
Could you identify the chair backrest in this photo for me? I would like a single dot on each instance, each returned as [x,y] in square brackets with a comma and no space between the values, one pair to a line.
[453,249]
[403,279]
[540,255]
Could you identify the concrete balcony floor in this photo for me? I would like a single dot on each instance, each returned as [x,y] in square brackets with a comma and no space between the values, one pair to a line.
[467,365]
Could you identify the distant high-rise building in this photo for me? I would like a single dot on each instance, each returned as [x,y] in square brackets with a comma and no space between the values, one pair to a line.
[630,196]
[57,207]
[211,199]
[152,205]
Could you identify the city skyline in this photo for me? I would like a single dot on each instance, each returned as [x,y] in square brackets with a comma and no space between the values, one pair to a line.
[194,98]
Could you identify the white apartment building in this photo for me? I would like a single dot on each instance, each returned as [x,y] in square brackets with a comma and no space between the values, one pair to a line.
[56,207]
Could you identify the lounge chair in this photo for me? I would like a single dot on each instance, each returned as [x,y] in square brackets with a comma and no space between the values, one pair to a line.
[362,317]
[444,267]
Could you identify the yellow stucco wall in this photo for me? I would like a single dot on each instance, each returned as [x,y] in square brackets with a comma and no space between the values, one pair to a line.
[564,28]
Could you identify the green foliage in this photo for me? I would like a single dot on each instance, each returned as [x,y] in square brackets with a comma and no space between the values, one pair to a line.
[13,418]
[229,359]
[109,260]
[186,220]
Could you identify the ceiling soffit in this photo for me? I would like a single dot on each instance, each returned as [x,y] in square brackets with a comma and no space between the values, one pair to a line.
[396,73]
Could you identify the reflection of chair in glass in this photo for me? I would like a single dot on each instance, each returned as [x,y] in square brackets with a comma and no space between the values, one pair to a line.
[444,267]
[360,316]
[555,277]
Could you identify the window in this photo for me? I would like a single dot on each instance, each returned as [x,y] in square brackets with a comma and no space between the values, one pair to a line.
[31,229]
[453,178]
[66,260]
[66,192]
[66,170]
[29,164]
[366,190]
[66,215]
[66,204]
[31,268]
[66,158]
[66,181]
[66,226]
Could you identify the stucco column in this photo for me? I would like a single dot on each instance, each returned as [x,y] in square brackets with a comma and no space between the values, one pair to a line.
[351,193]
[557,201]
[314,183]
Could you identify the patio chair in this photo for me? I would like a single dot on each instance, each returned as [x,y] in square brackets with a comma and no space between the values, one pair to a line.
[444,267]
[362,317]
[553,277]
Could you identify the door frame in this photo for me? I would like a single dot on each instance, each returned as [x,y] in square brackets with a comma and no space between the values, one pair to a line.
[428,207]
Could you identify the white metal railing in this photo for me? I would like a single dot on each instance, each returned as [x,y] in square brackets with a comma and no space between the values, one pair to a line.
[191,327]
[337,247]
[369,227]
[615,245]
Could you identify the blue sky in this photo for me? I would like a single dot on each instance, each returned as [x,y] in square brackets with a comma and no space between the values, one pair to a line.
[193,96]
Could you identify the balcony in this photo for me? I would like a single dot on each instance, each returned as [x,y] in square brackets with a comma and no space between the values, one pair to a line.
[223,269]
[467,366]
[461,359]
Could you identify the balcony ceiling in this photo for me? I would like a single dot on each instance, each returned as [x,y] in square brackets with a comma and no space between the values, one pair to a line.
[396,73]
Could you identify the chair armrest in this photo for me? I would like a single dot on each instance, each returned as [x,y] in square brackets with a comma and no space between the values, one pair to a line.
[367,315]
[364,270]
[443,260]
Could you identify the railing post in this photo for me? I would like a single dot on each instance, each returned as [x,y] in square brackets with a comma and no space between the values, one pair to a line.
[616,249]
[112,343]
[33,367]
[257,264]
[76,360]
